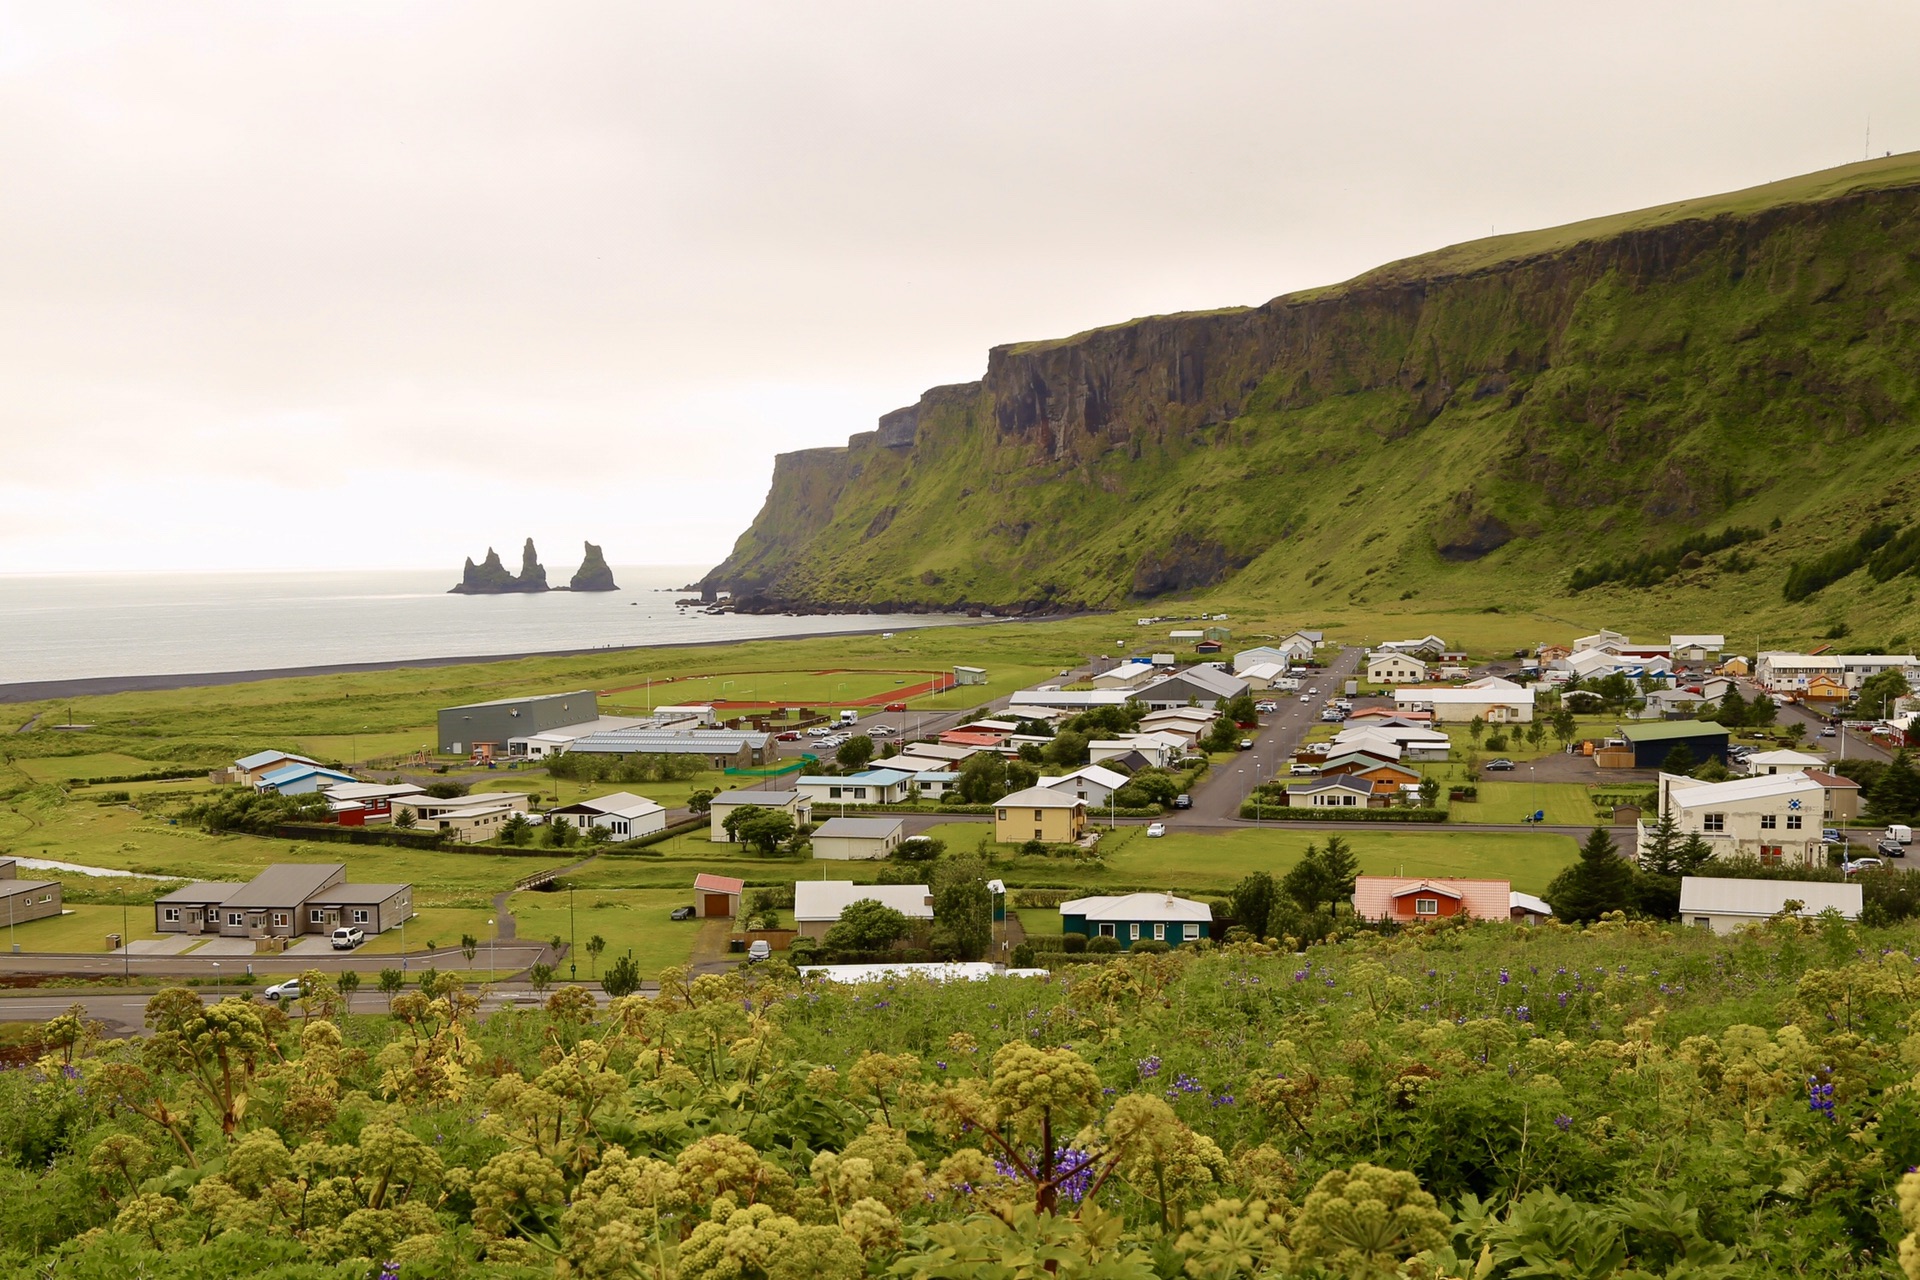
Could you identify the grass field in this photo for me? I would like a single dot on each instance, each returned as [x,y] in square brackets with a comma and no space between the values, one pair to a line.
[100,764]
[83,928]
[1567,804]
[629,919]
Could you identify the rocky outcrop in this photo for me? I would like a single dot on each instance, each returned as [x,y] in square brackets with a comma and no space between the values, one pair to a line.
[1505,408]
[593,573]
[490,577]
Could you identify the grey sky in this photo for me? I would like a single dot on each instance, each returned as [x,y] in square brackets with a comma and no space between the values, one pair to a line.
[378,284]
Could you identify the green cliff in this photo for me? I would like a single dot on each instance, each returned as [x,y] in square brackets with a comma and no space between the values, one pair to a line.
[1466,428]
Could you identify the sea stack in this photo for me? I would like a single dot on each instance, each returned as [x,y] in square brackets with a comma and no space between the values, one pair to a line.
[593,574]
[490,577]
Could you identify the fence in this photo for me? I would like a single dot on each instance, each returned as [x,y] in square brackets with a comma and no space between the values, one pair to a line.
[804,760]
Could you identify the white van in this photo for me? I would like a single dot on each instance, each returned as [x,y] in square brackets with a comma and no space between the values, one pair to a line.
[849,716]
[1900,833]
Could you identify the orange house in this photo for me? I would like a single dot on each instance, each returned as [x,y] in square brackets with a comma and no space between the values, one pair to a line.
[1824,693]
[1385,779]
[1394,898]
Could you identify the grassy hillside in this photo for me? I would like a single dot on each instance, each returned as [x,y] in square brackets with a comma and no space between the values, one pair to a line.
[1457,431]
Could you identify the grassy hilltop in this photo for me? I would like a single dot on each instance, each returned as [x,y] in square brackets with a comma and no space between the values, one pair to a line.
[1458,430]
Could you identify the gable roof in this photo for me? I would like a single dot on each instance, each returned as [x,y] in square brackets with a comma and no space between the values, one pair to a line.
[259,758]
[1673,730]
[1040,798]
[1373,896]
[1736,790]
[707,882]
[295,772]
[825,900]
[859,828]
[1207,678]
[768,799]
[1094,773]
[1518,901]
[286,884]
[1137,906]
[1332,782]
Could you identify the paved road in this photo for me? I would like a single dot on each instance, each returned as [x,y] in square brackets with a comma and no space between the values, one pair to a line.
[1844,745]
[506,957]
[124,1011]
[1217,798]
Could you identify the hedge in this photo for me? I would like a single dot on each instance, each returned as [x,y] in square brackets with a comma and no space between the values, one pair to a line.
[1267,812]
[332,833]
[158,775]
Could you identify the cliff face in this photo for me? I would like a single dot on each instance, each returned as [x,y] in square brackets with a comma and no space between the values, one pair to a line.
[1474,423]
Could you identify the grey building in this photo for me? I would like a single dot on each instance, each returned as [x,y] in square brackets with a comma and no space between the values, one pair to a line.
[720,748]
[24,900]
[1201,686]
[477,725]
[284,901]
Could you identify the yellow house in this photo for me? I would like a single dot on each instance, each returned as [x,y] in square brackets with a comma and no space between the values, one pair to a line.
[1039,814]
[1823,693]
[1734,667]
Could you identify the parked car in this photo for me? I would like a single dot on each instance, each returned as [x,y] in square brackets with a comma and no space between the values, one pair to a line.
[1300,770]
[1156,829]
[760,950]
[1899,833]
[347,937]
[1832,836]
[1266,706]
[1499,766]
[1183,801]
[791,735]
[880,731]
[896,706]
[288,990]
[1861,864]
[1829,732]
[681,913]
[1246,744]
[1892,848]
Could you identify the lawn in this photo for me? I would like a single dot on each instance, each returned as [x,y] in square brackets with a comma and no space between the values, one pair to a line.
[1038,921]
[83,928]
[431,926]
[1196,860]
[631,920]
[103,764]
[1567,804]
[670,795]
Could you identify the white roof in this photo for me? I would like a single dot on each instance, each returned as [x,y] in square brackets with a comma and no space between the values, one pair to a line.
[1786,759]
[1759,899]
[370,790]
[1742,789]
[1070,698]
[1497,691]
[1263,671]
[1166,714]
[624,803]
[1406,735]
[769,799]
[818,900]
[1699,641]
[859,828]
[1138,906]
[1373,743]
[952,971]
[1527,902]
[1039,798]
[1092,773]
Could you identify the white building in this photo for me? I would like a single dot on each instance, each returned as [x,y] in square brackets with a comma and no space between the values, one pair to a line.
[1425,644]
[1696,648]
[1495,701]
[1765,763]
[858,839]
[1781,672]
[1724,905]
[1775,818]
[1261,655]
[792,803]
[1392,667]
[1128,675]
[818,904]
[623,815]
[1093,784]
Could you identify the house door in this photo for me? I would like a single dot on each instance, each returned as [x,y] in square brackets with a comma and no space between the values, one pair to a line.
[717,904]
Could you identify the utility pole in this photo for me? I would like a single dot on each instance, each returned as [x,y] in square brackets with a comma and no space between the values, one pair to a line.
[573,937]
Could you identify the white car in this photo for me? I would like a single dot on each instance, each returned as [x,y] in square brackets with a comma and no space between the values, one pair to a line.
[1302,770]
[760,950]
[1266,706]
[347,937]
[1306,697]
[1156,829]
[288,990]
[880,731]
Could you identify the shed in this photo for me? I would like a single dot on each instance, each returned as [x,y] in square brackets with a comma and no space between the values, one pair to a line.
[24,900]
[969,675]
[858,839]
[717,897]
[817,904]
[1652,743]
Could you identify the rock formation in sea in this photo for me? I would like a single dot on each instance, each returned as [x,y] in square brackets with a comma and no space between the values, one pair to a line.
[593,574]
[490,577]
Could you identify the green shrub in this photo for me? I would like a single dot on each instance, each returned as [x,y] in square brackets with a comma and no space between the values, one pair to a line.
[1150,947]
[1103,944]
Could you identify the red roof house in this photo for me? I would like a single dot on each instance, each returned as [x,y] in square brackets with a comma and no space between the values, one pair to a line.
[717,896]
[1401,899]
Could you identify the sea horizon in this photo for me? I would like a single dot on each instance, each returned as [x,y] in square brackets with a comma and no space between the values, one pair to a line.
[79,626]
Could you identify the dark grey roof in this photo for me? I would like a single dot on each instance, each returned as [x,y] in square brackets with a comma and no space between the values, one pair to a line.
[859,828]
[356,894]
[10,887]
[215,891]
[286,884]
[526,698]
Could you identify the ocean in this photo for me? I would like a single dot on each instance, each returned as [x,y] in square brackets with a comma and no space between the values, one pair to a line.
[74,626]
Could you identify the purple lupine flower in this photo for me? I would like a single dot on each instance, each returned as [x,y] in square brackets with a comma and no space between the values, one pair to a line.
[1563,1123]
[1503,978]
[1149,1067]
[940,1066]
[1301,975]
[1820,1097]
[1523,1014]
[1563,999]
[1223,1100]
[389,1270]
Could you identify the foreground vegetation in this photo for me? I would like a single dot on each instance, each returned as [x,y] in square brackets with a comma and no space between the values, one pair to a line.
[1476,1101]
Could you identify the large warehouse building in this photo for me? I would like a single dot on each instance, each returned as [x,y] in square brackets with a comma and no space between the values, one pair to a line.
[482,726]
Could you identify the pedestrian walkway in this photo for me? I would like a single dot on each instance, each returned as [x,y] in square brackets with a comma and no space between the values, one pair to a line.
[170,946]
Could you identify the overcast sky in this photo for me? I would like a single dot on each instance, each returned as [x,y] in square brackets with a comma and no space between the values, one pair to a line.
[376,285]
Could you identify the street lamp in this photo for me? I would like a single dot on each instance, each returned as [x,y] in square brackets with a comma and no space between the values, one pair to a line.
[573,937]
[492,937]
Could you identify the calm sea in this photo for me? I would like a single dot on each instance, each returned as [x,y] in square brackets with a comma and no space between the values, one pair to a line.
[67,626]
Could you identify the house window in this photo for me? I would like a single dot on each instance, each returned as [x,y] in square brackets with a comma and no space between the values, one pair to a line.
[1133,933]
[1426,906]
[1039,834]
[316,916]
[1106,931]
[1000,814]
[1038,815]
[170,914]
[1793,822]
[859,793]
[360,917]
[235,918]
[1770,853]
[1192,931]
[1767,821]
[1159,933]
[833,793]
[1702,922]
[1713,822]
[280,919]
